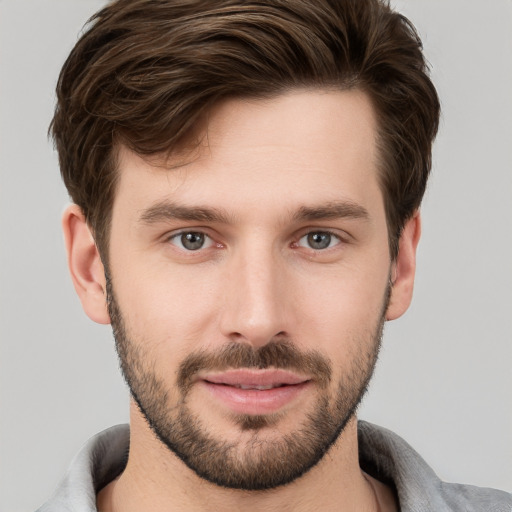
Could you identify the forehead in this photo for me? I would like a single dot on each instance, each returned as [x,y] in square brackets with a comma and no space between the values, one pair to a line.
[297,147]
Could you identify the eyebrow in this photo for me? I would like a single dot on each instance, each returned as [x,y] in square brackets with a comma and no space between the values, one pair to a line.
[165,211]
[332,210]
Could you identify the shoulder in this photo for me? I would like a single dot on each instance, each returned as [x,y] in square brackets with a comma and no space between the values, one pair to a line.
[101,460]
[387,457]
[469,498]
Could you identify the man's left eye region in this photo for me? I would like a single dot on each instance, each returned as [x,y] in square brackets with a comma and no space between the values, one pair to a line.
[191,240]
[319,240]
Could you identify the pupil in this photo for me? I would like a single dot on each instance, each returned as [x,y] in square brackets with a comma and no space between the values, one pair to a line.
[192,241]
[319,240]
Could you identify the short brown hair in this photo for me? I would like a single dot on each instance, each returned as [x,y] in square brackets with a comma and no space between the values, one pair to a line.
[145,71]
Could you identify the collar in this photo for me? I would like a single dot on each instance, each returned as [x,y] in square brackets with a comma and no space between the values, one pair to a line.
[382,454]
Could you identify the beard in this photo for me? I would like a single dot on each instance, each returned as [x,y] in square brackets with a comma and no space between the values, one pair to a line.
[264,458]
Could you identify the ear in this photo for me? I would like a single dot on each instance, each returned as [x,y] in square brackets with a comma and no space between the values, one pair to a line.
[85,265]
[403,269]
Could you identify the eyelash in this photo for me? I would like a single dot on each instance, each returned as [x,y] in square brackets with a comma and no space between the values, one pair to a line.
[330,234]
[178,237]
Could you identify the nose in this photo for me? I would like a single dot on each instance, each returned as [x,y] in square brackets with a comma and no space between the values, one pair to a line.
[256,298]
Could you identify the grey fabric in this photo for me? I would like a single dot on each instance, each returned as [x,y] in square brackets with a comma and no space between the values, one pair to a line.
[390,459]
[382,454]
[102,458]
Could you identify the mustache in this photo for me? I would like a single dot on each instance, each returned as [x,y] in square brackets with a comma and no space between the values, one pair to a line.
[275,354]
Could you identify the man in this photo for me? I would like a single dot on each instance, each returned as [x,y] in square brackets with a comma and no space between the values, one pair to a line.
[246,180]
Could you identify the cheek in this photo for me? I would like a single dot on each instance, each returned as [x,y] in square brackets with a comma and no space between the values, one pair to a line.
[167,308]
[342,306]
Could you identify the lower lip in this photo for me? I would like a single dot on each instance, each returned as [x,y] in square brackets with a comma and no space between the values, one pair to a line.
[253,401]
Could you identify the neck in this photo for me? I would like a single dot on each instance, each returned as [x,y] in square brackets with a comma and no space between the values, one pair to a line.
[156,480]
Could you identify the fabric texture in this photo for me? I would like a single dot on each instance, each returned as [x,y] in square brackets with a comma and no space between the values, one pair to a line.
[382,454]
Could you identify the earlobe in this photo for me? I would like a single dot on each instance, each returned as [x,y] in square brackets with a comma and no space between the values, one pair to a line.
[404,269]
[85,266]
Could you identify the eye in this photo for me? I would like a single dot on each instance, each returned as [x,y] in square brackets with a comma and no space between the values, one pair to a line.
[191,240]
[319,240]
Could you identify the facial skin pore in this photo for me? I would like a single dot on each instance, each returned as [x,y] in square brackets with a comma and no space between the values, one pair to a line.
[266,250]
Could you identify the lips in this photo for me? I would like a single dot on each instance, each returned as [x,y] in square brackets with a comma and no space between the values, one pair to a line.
[256,378]
[247,391]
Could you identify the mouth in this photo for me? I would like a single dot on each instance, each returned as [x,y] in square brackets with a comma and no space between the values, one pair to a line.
[255,392]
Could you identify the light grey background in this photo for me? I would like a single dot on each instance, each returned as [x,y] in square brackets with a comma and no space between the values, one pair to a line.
[444,380]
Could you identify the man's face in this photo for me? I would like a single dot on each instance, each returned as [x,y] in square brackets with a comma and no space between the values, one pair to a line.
[249,283]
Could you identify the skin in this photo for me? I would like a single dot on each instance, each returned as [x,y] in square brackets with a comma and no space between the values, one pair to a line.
[256,279]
